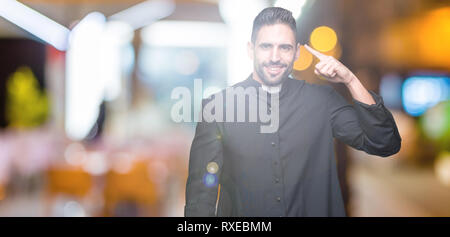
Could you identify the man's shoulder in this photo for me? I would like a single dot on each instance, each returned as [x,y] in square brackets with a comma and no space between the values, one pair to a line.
[243,83]
[313,88]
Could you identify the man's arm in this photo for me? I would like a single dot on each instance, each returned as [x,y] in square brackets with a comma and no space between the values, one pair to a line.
[359,92]
[370,128]
[334,71]
[205,168]
[367,125]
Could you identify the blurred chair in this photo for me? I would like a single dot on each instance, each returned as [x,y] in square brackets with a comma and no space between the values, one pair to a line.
[69,181]
[133,189]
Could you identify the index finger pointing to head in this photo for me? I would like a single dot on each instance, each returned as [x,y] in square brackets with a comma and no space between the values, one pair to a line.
[314,52]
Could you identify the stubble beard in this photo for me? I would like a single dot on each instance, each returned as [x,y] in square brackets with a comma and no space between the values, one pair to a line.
[259,68]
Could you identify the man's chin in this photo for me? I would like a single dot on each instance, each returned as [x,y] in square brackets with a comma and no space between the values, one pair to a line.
[273,81]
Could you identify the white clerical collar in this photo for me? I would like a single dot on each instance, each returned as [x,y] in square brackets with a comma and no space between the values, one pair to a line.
[271,89]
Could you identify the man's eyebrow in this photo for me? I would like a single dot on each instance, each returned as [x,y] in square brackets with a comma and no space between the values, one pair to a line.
[270,44]
[287,45]
[265,44]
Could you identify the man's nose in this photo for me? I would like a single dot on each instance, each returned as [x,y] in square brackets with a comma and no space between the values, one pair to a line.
[275,56]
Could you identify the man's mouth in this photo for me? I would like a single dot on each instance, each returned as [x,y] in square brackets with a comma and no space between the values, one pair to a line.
[274,69]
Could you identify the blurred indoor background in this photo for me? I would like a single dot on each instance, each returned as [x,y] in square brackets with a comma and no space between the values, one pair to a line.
[85,98]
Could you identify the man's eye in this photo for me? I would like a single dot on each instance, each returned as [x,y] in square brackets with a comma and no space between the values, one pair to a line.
[265,46]
[286,47]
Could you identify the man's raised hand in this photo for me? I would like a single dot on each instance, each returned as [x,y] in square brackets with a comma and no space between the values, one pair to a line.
[330,68]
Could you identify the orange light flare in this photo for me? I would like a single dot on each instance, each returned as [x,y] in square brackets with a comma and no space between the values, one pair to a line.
[422,42]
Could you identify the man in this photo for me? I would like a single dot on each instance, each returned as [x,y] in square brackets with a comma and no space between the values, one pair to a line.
[291,171]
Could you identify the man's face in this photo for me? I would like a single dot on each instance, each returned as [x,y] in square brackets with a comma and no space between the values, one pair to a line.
[274,53]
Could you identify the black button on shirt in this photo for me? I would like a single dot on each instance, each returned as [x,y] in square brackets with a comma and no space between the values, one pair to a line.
[311,116]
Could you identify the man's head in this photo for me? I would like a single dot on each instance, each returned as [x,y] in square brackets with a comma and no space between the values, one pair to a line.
[273,47]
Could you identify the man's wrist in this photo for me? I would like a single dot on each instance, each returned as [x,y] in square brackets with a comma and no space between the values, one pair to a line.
[351,80]
[359,92]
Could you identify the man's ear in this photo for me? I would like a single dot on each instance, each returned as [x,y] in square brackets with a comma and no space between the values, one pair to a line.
[297,53]
[250,50]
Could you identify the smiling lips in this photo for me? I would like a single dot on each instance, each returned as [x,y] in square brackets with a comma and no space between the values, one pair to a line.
[274,70]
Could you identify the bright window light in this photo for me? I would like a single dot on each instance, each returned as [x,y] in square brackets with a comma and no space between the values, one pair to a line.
[295,6]
[185,34]
[34,22]
[240,20]
[84,84]
[145,13]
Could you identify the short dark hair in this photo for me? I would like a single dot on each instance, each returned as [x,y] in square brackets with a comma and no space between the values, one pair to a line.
[272,16]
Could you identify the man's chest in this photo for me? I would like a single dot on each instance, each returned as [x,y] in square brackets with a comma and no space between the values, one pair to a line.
[301,125]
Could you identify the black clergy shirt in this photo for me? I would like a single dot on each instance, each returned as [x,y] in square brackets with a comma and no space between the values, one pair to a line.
[291,172]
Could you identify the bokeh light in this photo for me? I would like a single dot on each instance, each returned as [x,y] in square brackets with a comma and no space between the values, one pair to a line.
[96,163]
[442,168]
[210,180]
[212,167]
[436,124]
[391,90]
[304,61]
[323,38]
[73,209]
[420,40]
[336,52]
[75,154]
[434,36]
[421,93]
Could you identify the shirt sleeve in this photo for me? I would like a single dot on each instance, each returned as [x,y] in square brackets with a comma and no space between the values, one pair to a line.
[370,128]
[202,186]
